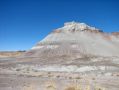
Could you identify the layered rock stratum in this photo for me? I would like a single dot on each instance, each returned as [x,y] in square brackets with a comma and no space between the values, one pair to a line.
[77,39]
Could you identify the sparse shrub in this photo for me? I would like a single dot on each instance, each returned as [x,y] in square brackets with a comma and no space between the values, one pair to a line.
[99,88]
[27,69]
[93,78]
[78,78]
[40,75]
[49,72]
[50,75]
[70,88]
[78,87]
[117,75]
[58,76]
[70,77]
[35,70]
[17,69]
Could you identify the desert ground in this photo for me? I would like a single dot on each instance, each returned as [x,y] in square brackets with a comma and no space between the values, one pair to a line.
[18,75]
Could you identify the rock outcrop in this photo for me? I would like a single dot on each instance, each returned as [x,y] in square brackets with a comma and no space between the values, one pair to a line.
[76,40]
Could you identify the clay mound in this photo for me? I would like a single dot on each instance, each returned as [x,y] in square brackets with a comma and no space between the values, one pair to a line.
[76,39]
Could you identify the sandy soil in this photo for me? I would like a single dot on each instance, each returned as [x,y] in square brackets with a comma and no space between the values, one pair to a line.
[57,81]
[17,75]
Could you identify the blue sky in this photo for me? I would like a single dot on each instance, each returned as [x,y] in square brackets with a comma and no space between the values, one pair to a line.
[25,22]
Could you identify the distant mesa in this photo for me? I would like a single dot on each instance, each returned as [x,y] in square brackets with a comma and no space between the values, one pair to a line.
[75,40]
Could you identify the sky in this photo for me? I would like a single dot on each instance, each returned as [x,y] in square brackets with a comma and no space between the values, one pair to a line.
[23,23]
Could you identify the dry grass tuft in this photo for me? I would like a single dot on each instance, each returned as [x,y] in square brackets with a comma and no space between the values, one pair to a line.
[78,87]
[51,85]
[75,87]
[99,88]
[78,78]
[70,88]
